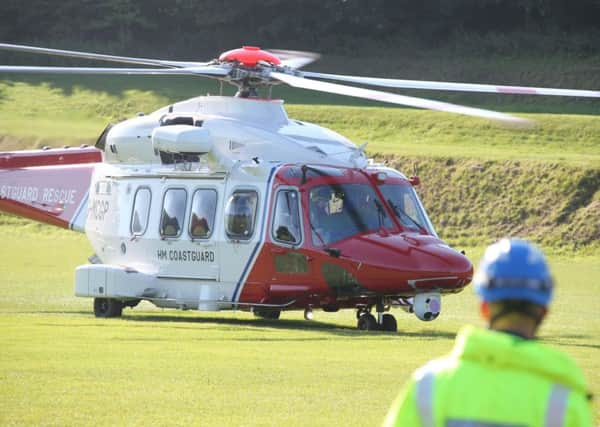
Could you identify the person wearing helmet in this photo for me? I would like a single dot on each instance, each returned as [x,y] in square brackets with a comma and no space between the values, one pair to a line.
[322,221]
[500,376]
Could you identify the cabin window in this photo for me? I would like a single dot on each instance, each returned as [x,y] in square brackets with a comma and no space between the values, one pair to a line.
[141,210]
[202,220]
[173,212]
[240,213]
[286,220]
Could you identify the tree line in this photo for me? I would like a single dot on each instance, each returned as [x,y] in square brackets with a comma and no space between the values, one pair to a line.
[205,25]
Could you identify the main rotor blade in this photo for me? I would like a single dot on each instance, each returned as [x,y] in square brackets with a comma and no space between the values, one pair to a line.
[459,87]
[295,58]
[98,56]
[191,71]
[394,98]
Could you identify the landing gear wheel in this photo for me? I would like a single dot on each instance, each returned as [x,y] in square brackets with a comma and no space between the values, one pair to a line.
[107,307]
[268,314]
[367,322]
[389,323]
[361,311]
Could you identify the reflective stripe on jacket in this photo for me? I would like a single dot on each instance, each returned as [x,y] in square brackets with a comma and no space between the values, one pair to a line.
[493,379]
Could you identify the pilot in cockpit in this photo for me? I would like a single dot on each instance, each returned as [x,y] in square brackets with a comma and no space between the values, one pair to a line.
[325,207]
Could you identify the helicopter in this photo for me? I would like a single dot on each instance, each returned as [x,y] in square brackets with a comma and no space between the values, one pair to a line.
[225,203]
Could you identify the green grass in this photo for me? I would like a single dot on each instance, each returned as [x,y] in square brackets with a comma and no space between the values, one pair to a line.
[36,115]
[61,366]
[559,138]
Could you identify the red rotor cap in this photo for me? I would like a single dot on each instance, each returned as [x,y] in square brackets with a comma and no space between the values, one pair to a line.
[249,56]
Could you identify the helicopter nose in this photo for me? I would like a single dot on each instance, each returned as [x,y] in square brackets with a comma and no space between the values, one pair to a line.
[447,261]
[408,263]
[445,258]
[434,264]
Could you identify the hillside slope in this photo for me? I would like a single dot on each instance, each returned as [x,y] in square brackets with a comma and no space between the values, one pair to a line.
[474,202]
[481,181]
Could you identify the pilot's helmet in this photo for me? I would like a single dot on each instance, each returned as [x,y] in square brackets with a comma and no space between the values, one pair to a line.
[319,198]
[321,195]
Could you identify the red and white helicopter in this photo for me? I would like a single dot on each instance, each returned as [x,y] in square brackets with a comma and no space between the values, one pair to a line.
[225,203]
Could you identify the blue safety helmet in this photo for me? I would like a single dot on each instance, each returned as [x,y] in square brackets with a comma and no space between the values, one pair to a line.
[514,270]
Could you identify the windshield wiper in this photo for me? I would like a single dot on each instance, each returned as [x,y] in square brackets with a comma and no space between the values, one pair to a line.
[336,253]
[400,212]
[314,230]
[380,213]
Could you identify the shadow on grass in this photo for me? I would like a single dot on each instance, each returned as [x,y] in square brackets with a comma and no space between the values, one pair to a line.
[257,324]
[573,340]
[251,324]
[285,324]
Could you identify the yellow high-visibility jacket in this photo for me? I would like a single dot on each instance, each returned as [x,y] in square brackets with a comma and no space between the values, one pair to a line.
[494,379]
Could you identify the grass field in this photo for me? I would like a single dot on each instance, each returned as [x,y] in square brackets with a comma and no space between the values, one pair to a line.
[61,366]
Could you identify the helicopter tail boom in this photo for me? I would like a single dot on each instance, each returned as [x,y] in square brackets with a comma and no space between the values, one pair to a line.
[49,186]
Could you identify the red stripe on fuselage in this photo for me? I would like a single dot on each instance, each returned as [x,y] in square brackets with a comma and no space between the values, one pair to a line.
[50,157]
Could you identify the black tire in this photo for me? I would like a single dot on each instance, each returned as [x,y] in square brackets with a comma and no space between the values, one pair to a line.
[389,323]
[267,314]
[107,307]
[367,322]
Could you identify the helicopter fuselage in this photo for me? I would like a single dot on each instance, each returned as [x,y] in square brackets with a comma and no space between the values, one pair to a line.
[220,203]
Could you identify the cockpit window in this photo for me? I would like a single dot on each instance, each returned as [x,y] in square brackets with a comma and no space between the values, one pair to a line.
[406,205]
[342,210]
[239,214]
[286,220]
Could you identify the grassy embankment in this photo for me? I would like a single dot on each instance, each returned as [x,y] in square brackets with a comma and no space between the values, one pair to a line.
[59,365]
[481,180]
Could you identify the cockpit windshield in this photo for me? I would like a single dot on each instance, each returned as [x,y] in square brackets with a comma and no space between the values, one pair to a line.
[339,211]
[403,200]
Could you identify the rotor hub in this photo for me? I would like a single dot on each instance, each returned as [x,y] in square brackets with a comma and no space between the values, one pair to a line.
[249,56]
